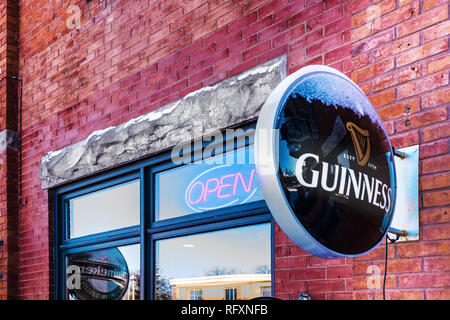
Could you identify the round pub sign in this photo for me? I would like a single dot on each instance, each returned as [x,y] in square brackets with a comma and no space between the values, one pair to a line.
[103,275]
[325,164]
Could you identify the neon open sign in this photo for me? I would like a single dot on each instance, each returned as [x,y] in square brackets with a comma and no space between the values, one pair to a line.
[222,186]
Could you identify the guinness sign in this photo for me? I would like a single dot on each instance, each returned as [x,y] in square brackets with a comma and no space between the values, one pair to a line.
[325,164]
[103,274]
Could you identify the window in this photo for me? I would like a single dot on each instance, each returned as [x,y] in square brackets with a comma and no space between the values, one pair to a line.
[231,294]
[266,291]
[159,230]
[196,295]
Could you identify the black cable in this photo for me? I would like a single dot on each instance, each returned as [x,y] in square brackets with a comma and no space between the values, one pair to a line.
[385,269]
[385,262]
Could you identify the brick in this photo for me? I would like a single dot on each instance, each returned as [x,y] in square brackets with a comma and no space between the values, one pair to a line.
[397,46]
[436,279]
[199,76]
[404,2]
[339,296]
[359,5]
[271,7]
[230,16]
[324,18]
[405,139]
[306,14]
[287,36]
[363,295]
[337,54]
[289,10]
[272,54]
[227,64]
[308,274]
[396,17]
[396,77]
[337,26]
[217,36]
[436,164]
[401,295]
[290,286]
[431,149]
[324,45]
[434,215]
[373,12]
[362,61]
[438,198]
[421,119]
[314,261]
[290,262]
[373,42]
[246,20]
[438,232]
[435,132]
[423,249]
[273,30]
[256,27]
[422,85]
[424,20]
[201,54]
[437,64]
[298,251]
[333,3]
[339,272]
[253,4]
[436,98]
[430,4]
[422,52]
[383,98]
[437,31]
[326,285]
[369,282]
[256,50]
[400,109]
[306,40]
[438,294]
[401,265]
[282,275]
[361,32]
[240,46]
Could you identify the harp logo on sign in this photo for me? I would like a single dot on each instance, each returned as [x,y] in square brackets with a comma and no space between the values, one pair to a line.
[361,142]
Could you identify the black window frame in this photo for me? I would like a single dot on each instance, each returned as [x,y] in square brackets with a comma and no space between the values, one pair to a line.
[149,231]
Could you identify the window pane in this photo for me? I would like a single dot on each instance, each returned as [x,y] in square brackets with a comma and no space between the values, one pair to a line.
[266,291]
[106,274]
[231,294]
[210,263]
[105,210]
[213,183]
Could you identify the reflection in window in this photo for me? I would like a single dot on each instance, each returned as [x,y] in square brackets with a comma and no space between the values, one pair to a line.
[196,295]
[236,259]
[266,291]
[105,210]
[105,274]
[231,294]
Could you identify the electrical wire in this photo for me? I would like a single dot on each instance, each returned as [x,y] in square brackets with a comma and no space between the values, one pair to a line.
[385,262]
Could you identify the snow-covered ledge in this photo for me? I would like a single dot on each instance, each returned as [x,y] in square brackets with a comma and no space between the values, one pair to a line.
[229,102]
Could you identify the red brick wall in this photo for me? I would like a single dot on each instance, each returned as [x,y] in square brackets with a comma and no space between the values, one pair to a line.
[131,57]
[401,60]
[8,156]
